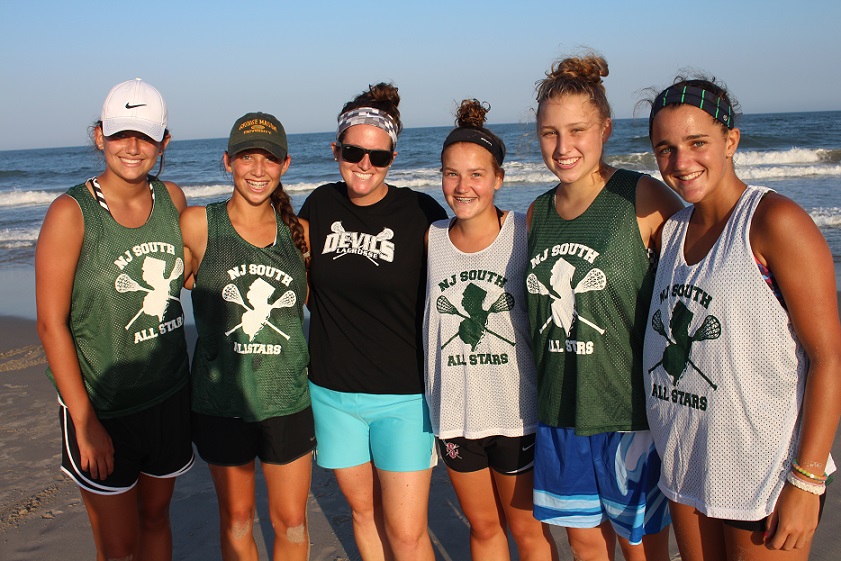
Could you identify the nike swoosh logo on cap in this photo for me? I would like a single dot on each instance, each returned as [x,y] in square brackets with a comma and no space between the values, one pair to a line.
[133,106]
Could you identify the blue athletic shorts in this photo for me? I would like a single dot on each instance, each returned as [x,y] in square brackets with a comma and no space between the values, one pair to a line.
[581,481]
[391,430]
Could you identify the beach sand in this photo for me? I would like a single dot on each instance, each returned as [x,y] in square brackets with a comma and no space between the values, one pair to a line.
[42,516]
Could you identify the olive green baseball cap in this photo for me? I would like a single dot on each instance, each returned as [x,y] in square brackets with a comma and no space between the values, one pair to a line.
[258,130]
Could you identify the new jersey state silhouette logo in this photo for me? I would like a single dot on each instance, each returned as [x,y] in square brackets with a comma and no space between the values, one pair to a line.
[257,311]
[562,294]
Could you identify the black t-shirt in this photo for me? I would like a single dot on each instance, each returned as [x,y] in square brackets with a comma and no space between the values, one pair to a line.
[368,284]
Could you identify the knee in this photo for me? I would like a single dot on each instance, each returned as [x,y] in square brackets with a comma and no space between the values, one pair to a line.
[527,532]
[291,526]
[406,537]
[154,517]
[296,534]
[237,520]
[485,529]
[365,515]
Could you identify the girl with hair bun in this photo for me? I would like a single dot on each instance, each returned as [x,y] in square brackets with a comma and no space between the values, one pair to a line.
[738,334]
[246,263]
[368,278]
[591,247]
[483,411]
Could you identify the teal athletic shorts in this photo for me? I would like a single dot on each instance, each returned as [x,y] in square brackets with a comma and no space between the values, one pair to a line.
[581,481]
[391,430]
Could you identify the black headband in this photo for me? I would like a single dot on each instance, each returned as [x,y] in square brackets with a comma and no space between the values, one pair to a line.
[716,106]
[477,136]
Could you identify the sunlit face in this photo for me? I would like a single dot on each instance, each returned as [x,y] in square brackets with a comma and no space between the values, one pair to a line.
[692,151]
[572,134]
[130,155]
[256,174]
[469,180]
[365,182]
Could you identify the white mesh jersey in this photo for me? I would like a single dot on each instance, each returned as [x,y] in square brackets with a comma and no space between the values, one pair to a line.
[726,374]
[480,373]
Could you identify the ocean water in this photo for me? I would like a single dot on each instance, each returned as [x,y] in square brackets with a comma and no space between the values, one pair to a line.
[797,154]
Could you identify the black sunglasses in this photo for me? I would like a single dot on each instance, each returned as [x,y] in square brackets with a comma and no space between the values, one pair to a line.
[354,154]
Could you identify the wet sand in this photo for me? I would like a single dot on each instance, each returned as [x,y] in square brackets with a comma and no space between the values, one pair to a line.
[42,515]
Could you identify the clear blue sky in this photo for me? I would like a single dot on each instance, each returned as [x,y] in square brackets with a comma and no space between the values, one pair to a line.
[214,61]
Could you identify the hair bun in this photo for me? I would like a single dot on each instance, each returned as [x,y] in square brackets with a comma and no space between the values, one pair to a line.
[472,113]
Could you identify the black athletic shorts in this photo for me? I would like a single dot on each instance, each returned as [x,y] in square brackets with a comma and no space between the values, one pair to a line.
[230,441]
[155,442]
[759,525]
[508,455]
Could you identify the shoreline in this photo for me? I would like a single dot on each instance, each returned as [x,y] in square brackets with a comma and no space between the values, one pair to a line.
[42,515]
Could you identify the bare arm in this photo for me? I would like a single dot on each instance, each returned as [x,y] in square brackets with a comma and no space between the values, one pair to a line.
[194,234]
[177,196]
[56,257]
[655,204]
[785,238]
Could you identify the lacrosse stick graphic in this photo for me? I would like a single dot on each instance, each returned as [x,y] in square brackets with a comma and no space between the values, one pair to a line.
[595,279]
[231,294]
[504,303]
[124,283]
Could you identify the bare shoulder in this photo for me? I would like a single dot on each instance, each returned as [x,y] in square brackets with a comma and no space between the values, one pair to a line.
[177,195]
[194,222]
[655,203]
[782,230]
[529,215]
[65,215]
[775,208]
[655,197]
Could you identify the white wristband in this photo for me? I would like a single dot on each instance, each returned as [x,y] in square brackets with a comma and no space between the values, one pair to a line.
[814,488]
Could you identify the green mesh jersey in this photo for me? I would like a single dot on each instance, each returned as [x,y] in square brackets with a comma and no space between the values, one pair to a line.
[589,285]
[125,312]
[251,355]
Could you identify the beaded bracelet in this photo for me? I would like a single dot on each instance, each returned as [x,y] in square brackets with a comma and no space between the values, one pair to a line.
[813,488]
[796,467]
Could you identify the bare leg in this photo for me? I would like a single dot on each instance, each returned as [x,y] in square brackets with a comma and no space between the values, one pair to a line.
[235,493]
[593,544]
[288,487]
[477,498]
[744,545]
[514,492]
[654,547]
[155,529]
[405,499]
[361,488]
[115,521]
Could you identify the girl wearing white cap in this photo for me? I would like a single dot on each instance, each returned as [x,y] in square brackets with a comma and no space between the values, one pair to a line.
[108,273]
[246,264]
[366,380]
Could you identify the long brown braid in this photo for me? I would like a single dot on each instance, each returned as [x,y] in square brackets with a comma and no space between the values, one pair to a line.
[283,205]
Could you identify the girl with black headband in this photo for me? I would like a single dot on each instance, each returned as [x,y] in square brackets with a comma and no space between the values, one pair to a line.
[480,377]
[743,345]
[589,281]
[109,267]
[368,283]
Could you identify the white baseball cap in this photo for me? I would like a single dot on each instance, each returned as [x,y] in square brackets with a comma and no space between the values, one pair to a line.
[134,105]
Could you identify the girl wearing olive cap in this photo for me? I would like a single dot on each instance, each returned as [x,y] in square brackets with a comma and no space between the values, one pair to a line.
[246,263]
